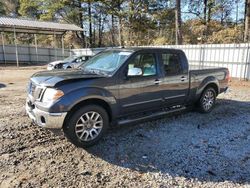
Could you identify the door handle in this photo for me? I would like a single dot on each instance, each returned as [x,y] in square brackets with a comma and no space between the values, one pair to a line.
[157,82]
[183,78]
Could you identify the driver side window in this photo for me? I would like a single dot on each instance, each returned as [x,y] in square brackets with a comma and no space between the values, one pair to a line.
[145,62]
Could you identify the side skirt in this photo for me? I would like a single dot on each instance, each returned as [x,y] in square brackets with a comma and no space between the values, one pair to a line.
[151,115]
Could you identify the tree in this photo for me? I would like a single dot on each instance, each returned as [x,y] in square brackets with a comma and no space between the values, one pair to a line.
[116,10]
[178,31]
[90,23]
[29,8]
[136,22]
[247,21]
[65,11]
[2,10]
[11,7]
[163,15]
[99,19]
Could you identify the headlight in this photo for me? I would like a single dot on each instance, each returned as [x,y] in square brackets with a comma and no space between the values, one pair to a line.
[51,94]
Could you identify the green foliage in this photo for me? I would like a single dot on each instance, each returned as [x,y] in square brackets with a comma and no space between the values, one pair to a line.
[2,10]
[29,8]
[10,7]
[161,41]
[227,35]
[131,22]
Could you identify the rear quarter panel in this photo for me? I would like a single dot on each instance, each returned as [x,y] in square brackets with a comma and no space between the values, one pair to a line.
[200,79]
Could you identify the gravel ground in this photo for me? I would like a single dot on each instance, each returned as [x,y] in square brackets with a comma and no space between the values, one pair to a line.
[187,150]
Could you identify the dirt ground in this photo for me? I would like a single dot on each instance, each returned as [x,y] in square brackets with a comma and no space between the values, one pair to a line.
[187,150]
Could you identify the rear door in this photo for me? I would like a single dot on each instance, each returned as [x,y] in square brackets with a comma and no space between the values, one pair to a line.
[175,80]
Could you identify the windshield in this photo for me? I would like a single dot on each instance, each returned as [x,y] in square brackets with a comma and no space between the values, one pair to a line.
[106,62]
[69,59]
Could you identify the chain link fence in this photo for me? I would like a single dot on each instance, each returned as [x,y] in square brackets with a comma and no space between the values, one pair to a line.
[31,55]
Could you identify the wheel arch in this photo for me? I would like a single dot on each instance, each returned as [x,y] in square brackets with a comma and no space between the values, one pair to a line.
[91,101]
[214,86]
[210,81]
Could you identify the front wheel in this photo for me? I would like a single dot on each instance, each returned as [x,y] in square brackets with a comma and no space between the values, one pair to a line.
[86,126]
[207,100]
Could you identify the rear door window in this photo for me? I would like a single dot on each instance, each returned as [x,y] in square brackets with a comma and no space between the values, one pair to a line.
[171,64]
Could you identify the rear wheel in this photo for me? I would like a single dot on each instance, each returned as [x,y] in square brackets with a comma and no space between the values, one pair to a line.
[86,126]
[207,100]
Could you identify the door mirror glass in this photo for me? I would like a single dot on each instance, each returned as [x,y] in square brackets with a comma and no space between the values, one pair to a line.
[134,71]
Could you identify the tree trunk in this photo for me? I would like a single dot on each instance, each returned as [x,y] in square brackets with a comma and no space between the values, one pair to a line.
[112,31]
[209,12]
[205,12]
[94,34]
[80,16]
[131,31]
[205,32]
[90,23]
[247,21]
[209,15]
[121,42]
[236,12]
[178,32]
[99,32]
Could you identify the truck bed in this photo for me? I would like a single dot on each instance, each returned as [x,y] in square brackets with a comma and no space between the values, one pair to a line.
[199,77]
[197,67]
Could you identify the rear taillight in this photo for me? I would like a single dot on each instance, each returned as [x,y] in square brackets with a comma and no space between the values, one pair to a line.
[227,75]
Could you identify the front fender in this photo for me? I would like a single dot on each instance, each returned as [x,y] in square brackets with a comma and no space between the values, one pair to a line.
[68,101]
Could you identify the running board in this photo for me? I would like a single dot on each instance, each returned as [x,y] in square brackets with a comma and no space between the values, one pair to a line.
[161,113]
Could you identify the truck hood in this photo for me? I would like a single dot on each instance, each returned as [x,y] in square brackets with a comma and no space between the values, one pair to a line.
[51,78]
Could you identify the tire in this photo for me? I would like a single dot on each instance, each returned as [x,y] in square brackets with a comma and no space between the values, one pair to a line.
[83,128]
[207,100]
[69,67]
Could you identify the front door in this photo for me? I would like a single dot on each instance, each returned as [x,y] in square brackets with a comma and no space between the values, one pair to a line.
[141,90]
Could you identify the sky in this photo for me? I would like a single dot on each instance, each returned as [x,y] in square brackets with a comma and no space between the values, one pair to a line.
[241,11]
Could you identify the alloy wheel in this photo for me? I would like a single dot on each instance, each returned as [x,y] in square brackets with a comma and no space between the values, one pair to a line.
[89,126]
[208,100]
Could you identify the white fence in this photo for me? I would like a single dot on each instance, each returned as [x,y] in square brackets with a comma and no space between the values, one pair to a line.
[236,57]
[87,51]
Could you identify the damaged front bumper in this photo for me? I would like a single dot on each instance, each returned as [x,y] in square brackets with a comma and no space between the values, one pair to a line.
[45,119]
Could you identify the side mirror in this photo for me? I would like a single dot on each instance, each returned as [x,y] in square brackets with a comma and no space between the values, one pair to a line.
[134,71]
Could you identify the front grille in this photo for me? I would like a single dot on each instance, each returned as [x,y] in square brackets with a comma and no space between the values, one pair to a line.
[35,91]
[32,89]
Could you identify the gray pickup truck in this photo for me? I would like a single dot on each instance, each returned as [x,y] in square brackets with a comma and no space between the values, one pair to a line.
[120,86]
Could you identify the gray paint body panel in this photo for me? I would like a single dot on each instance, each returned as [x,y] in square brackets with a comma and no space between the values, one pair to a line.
[127,96]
